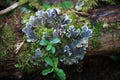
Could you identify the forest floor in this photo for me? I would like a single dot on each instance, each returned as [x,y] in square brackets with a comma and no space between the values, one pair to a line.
[93,68]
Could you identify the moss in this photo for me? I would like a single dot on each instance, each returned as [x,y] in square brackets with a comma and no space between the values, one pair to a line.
[78,21]
[95,41]
[24,63]
[6,40]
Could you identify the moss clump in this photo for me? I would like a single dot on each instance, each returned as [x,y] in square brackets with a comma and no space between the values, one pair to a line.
[6,40]
[95,41]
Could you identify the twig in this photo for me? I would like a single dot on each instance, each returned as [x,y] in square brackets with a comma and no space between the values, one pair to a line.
[18,46]
[12,7]
[84,14]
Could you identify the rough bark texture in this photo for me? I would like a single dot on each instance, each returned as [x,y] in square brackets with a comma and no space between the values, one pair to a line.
[109,44]
[110,38]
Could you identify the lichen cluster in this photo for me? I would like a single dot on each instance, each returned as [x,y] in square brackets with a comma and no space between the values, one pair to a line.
[51,24]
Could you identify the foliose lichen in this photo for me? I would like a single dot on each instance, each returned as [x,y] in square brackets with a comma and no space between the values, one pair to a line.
[70,52]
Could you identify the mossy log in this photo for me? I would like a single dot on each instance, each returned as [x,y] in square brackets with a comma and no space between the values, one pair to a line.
[108,43]
[109,39]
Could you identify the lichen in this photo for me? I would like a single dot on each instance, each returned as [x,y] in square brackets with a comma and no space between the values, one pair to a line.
[50,24]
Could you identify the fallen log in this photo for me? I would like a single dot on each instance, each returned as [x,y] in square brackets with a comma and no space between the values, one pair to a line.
[109,39]
[109,45]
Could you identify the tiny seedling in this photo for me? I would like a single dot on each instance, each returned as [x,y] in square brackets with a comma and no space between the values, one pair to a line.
[50,45]
[53,68]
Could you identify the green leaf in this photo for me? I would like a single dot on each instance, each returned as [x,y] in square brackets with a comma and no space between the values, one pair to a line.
[53,50]
[49,47]
[56,40]
[17,65]
[55,62]
[60,73]
[65,4]
[44,42]
[47,71]
[49,61]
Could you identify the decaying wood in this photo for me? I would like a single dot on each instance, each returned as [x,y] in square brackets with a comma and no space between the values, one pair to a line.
[84,14]
[12,7]
[109,44]
[110,40]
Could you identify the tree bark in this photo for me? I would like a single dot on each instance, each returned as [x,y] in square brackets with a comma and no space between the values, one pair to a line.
[109,44]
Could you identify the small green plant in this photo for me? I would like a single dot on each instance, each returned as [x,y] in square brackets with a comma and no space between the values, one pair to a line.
[50,45]
[53,67]
[52,61]
[66,4]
